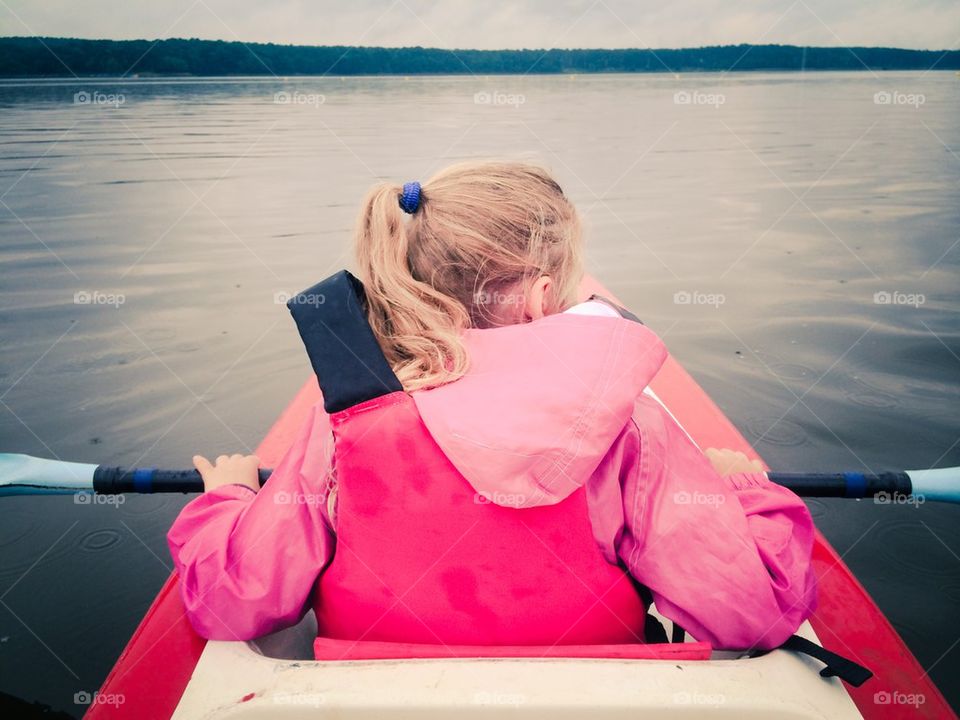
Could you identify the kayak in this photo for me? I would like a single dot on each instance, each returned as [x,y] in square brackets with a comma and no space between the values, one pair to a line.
[168,671]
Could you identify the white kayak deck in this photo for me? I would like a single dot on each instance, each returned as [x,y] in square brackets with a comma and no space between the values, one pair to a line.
[239,680]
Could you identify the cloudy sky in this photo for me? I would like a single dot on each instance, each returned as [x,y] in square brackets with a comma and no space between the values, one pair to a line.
[931,24]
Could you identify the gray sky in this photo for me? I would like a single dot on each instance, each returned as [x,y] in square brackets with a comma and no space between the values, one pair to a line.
[931,24]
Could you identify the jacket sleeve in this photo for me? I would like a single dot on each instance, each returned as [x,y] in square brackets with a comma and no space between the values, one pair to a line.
[248,561]
[728,558]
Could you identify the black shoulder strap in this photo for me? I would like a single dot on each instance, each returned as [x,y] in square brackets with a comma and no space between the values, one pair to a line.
[332,319]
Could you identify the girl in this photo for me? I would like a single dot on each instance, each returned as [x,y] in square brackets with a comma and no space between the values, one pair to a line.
[486,467]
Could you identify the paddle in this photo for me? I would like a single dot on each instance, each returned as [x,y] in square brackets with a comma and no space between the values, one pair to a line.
[26,475]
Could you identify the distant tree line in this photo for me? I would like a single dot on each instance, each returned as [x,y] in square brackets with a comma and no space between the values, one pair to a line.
[35,56]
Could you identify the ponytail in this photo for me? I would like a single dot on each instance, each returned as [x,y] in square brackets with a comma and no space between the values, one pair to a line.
[461,260]
[417,327]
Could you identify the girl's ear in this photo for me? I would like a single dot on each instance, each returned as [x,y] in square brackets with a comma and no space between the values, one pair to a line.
[537,298]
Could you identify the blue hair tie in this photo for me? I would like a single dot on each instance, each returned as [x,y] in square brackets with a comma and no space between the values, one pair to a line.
[410,197]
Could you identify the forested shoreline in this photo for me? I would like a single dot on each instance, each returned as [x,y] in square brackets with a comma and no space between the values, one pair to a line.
[57,57]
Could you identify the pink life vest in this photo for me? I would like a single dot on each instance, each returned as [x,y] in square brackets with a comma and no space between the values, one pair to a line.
[420,556]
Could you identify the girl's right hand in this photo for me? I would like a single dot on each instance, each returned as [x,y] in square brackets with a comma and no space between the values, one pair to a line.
[229,470]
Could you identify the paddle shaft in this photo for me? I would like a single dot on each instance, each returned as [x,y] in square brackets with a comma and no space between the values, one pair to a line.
[26,475]
[846,484]
[116,480]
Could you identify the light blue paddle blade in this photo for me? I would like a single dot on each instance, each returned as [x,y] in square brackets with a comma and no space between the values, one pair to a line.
[26,475]
[940,485]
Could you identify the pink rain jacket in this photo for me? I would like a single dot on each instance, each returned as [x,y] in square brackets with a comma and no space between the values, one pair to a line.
[547,408]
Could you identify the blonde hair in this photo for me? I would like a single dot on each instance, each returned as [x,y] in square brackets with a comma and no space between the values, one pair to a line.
[482,234]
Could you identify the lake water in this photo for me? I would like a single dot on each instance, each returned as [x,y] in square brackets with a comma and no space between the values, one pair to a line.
[794,238]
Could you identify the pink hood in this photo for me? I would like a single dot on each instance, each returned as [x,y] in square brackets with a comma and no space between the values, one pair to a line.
[541,404]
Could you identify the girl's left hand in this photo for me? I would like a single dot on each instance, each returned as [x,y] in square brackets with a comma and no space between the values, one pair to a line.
[727,462]
[229,470]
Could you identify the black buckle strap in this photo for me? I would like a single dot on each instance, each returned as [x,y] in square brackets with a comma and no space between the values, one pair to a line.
[653,632]
[677,634]
[836,665]
[622,311]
